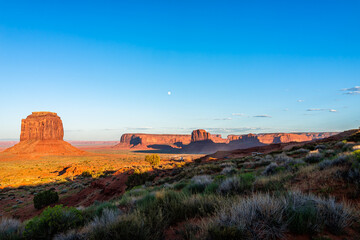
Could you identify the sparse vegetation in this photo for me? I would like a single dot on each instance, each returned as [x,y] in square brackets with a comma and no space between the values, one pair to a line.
[153,159]
[251,197]
[313,157]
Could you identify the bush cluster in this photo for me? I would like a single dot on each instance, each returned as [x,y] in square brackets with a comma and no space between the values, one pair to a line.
[138,178]
[45,198]
[52,221]
[153,159]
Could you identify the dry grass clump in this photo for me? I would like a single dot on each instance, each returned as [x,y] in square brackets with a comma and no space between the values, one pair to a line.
[10,229]
[228,170]
[199,183]
[264,216]
[270,169]
[108,216]
[237,184]
[281,158]
[340,160]
[256,217]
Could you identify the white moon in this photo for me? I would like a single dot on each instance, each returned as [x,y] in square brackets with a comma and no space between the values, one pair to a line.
[169,93]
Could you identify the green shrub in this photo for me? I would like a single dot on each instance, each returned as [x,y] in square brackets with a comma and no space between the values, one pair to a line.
[180,185]
[153,159]
[356,161]
[137,179]
[45,198]
[52,221]
[211,188]
[161,209]
[169,202]
[302,218]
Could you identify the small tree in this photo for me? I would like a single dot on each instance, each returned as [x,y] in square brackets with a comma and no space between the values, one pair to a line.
[153,159]
[45,198]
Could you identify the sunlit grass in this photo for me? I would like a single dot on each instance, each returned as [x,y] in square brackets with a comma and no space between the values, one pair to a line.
[17,170]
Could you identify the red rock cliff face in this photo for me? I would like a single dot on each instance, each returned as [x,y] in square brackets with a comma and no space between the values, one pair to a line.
[216,138]
[42,134]
[200,135]
[269,138]
[42,126]
[144,140]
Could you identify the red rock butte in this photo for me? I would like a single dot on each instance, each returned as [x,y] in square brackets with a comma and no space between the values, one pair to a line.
[42,133]
[202,141]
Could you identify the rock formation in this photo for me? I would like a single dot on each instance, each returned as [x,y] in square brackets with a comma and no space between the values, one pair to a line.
[145,141]
[269,138]
[42,134]
[200,135]
[42,126]
[202,141]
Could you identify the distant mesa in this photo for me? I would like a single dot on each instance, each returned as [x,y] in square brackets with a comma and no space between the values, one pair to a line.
[143,141]
[42,133]
[200,135]
[201,141]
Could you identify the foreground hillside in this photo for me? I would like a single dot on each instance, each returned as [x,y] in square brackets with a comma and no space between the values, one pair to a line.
[303,191]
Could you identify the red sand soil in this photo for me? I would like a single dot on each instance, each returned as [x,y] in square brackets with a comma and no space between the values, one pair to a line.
[44,147]
[41,172]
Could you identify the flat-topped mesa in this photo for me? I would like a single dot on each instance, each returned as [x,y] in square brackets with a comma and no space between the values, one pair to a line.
[42,134]
[200,135]
[142,140]
[42,126]
[270,138]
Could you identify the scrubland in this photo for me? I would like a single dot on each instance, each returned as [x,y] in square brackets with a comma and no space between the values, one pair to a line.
[308,192]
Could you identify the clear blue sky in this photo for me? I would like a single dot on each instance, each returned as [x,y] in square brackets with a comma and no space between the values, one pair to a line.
[232,67]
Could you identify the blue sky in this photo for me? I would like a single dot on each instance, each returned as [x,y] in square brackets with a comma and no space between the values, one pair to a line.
[232,67]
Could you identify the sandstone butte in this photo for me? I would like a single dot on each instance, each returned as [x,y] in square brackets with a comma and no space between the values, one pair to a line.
[149,141]
[42,133]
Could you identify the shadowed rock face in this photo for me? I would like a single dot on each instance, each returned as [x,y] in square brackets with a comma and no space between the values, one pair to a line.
[42,126]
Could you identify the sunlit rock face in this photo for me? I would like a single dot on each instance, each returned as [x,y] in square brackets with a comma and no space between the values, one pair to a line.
[200,135]
[42,126]
[42,133]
